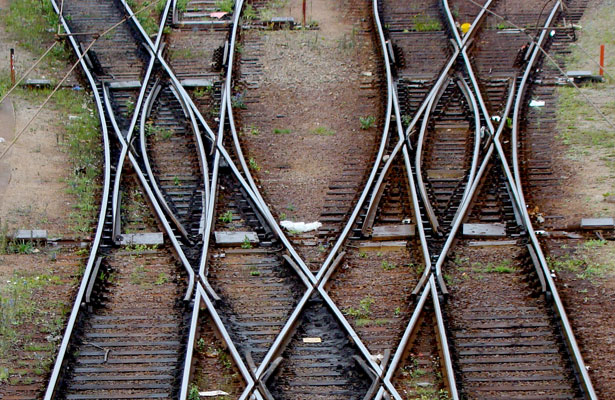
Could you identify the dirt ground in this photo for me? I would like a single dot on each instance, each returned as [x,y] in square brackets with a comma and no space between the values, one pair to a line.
[36,286]
[302,122]
[32,192]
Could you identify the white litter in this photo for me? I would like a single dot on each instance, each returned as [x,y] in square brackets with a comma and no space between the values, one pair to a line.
[213,393]
[537,103]
[312,340]
[2,140]
[300,226]
[366,73]
[496,118]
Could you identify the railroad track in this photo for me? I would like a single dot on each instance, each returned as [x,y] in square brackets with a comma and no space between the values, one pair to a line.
[128,327]
[348,327]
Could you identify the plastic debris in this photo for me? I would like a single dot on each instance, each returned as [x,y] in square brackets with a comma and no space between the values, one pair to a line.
[312,340]
[218,14]
[213,393]
[2,140]
[465,27]
[300,226]
[537,103]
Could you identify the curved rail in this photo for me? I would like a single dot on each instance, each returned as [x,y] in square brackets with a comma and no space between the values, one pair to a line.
[517,194]
[55,374]
[558,305]
[320,280]
[115,202]
[152,198]
[147,107]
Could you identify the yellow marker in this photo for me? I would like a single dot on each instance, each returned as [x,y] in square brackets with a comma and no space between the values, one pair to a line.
[465,27]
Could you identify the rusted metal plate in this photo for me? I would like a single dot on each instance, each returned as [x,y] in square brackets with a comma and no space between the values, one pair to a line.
[393,232]
[484,230]
[236,238]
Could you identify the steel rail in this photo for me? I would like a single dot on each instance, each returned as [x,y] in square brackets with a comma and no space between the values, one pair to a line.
[327,273]
[426,256]
[382,148]
[433,92]
[220,153]
[152,197]
[446,356]
[466,58]
[201,295]
[517,190]
[559,306]
[403,343]
[431,215]
[242,161]
[427,275]
[61,355]
[474,185]
[116,186]
[147,106]
[201,150]
[319,282]
[462,46]
[152,46]
[477,134]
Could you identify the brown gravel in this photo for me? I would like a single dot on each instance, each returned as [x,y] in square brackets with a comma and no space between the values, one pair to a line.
[310,93]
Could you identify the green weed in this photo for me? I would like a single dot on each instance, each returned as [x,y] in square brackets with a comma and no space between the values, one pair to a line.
[227,217]
[361,312]
[323,131]
[367,122]
[425,23]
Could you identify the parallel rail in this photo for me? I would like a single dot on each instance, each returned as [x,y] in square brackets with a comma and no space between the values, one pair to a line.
[431,283]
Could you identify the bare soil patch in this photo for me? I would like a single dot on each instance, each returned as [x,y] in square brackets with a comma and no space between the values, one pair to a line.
[302,124]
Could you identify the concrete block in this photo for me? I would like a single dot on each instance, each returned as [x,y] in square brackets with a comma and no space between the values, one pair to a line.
[235,238]
[597,223]
[484,230]
[125,85]
[393,232]
[383,246]
[191,83]
[31,235]
[150,239]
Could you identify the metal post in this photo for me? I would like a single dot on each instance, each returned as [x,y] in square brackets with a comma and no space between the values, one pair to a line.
[601,60]
[304,13]
[13,67]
